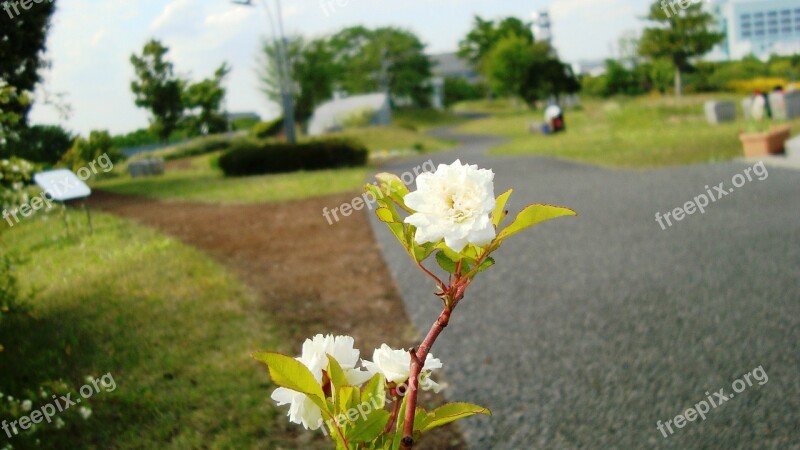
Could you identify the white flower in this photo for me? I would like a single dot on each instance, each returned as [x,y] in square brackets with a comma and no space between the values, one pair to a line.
[26,405]
[315,353]
[395,366]
[85,412]
[454,203]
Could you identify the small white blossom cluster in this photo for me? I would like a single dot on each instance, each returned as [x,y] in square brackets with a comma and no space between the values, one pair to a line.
[393,364]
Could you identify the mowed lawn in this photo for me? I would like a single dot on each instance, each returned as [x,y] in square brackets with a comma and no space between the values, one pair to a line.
[633,133]
[173,327]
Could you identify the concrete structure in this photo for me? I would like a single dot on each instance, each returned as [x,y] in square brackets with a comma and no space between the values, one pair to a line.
[720,112]
[450,65]
[332,115]
[758,27]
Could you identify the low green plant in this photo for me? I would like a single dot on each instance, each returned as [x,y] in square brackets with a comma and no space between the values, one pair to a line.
[264,130]
[252,157]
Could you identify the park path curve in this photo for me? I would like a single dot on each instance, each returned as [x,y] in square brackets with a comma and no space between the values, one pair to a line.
[589,330]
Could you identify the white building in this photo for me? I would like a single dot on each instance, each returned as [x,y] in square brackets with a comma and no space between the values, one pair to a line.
[758,27]
[542,27]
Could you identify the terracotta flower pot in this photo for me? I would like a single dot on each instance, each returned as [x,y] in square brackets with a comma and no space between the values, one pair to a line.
[767,143]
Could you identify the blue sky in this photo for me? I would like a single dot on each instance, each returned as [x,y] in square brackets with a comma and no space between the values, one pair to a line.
[91,42]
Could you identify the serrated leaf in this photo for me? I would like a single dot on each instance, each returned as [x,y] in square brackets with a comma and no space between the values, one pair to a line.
[452,412]
[291,374]
[369,429]
[500,212]
[534,215]
[422,252]
[445,263]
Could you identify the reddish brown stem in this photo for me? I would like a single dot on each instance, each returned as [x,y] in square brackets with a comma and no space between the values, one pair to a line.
[393,418]
[418,357]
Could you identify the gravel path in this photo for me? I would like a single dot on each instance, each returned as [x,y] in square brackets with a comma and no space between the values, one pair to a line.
[592,329]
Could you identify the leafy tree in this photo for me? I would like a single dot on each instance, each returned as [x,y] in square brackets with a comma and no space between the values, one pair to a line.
[459,89]
[158,89]
[520,68]
[40,143]
[387,58]
[207,96]
[313,73]
[84,151]
[486,34]
[678,37]
[22,46]
[10,117]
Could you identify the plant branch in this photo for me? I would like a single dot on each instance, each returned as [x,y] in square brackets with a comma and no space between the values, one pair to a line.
[418,357]
[393,418]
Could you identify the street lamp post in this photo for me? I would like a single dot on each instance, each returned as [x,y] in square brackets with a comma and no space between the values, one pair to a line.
[284,70]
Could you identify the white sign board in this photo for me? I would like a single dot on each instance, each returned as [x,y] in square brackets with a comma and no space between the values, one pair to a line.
[62,185]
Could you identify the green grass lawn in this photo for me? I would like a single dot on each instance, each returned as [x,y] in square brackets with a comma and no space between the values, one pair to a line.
[172,327]
[635,133]
[425,119]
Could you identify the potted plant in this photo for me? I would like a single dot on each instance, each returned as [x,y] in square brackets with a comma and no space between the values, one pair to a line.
[762,138]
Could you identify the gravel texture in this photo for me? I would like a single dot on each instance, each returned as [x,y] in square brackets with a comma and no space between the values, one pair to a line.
[591,329]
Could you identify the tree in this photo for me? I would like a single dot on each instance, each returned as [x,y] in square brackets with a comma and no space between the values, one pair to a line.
[22,46]
[517,67]
[39,143]
[678,35]
[158,89]
[313,73]
[486,34]
[385,59]
[207,97]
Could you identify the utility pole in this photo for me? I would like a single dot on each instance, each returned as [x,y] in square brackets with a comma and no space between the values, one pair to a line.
[284,69]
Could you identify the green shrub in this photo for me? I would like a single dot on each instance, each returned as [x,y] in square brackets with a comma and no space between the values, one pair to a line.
[15,175]
[251,157]
[263,130]
[199,146]
[358,118]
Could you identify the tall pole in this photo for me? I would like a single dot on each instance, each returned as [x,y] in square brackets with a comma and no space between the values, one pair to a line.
[284,71]
[288,100]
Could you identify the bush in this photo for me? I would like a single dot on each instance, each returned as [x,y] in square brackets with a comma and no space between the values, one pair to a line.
[15,175]
[263,130]
[358,118]
[84,151]
[250,157]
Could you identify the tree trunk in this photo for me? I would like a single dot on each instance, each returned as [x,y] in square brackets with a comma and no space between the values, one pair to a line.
[678,82]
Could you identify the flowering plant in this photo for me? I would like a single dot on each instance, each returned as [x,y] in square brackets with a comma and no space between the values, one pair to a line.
[454,217]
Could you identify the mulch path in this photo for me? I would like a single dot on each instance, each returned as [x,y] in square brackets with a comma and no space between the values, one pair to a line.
[311,277]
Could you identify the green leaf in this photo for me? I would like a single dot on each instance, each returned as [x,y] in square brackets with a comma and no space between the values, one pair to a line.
[368,430]
[534,215]
[488,262]
[452,412]
[394,188]
[422,252]
[385,215]
[347,397]
[421,419]
[291,374]
[500,212]
[336,373]
[374,389]
[445,263]
[398,230]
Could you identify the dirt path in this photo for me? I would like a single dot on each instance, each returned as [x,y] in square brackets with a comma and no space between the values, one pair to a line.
[312,277]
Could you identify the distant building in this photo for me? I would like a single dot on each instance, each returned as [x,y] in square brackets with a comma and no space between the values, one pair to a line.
[542,27]
[450,65]
[593,68]
[758,27]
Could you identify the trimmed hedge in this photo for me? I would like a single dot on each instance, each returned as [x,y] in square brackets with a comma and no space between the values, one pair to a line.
[199,146]
[250,157]
[263,130]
